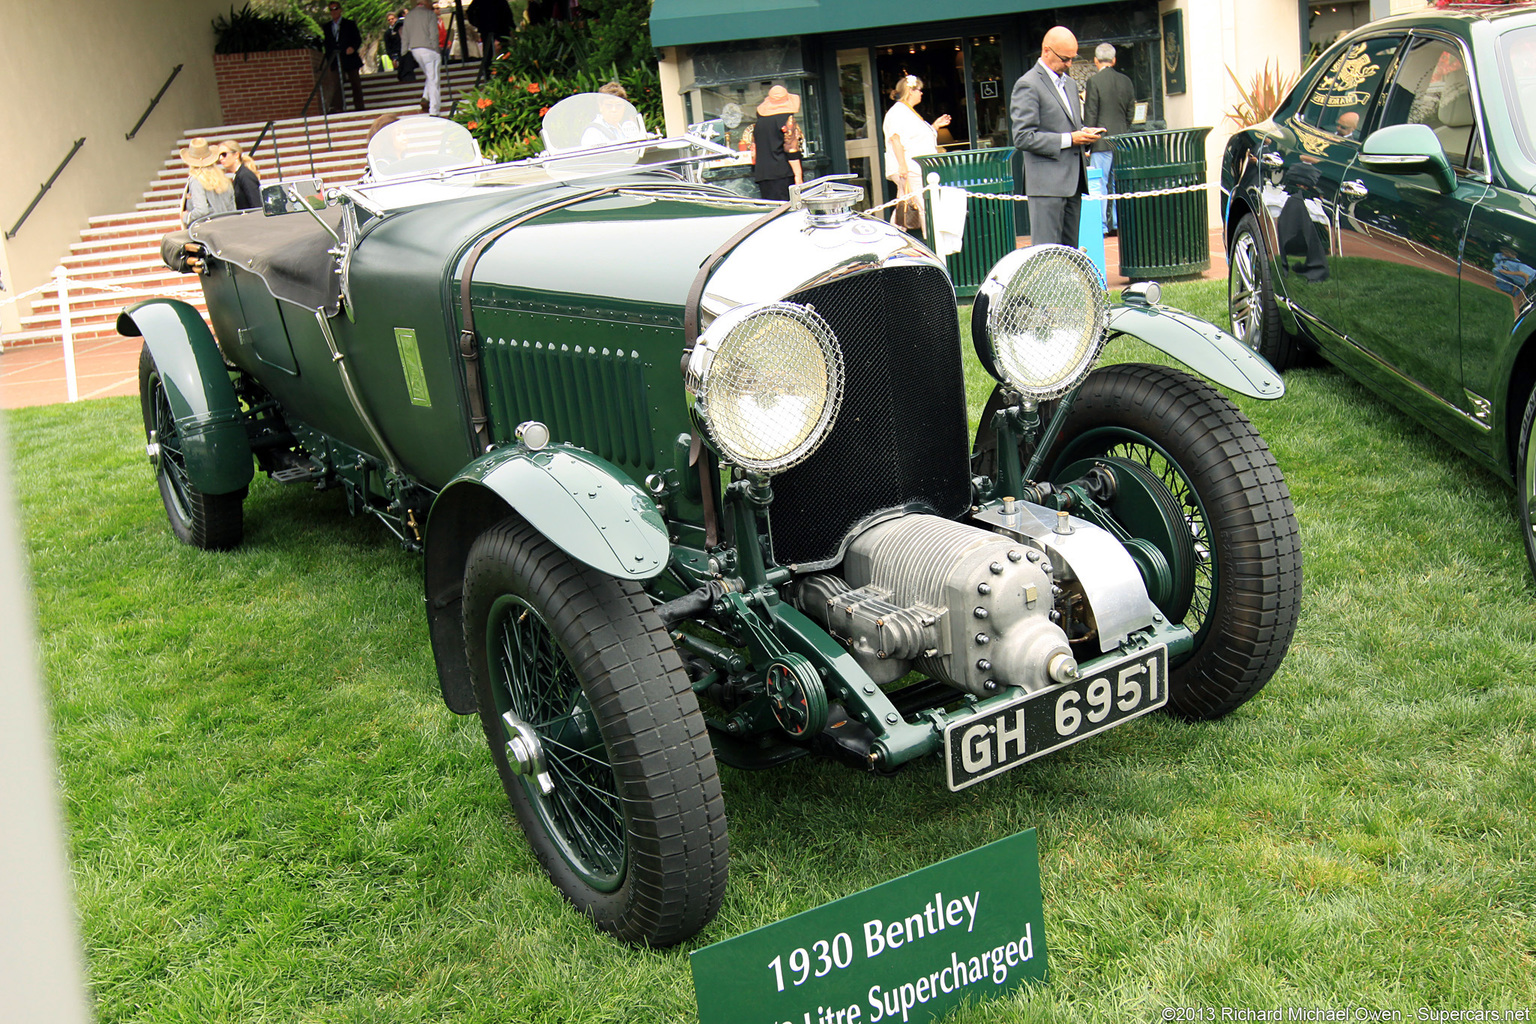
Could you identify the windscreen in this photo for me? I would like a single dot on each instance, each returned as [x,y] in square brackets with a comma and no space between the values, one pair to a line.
[420,143]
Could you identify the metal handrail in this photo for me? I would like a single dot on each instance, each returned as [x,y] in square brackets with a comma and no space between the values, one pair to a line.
[325,114]
[46,186]
[277,150]
[154,102]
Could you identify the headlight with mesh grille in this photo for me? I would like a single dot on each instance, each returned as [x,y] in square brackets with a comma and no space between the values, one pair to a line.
[767,380]
[1038,320]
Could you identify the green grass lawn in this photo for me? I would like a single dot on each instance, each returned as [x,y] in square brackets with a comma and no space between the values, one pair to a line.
[274,818]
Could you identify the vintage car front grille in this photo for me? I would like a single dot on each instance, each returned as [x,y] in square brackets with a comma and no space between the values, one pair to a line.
[901,436]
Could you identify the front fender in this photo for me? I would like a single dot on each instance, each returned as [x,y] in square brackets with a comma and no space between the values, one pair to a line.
[583,504]
[1200,345]
[197,385]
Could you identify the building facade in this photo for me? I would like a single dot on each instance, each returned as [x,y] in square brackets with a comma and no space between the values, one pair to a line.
[844,57]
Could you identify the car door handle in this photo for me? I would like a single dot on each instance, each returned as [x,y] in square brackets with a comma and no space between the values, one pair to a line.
[1355,189]
[1273,160]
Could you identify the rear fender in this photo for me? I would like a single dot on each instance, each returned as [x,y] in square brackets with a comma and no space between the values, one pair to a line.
[581,503]
[208,415]
[1200,345]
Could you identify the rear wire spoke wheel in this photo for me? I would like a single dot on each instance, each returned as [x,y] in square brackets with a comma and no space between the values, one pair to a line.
[1256,320]
[1246,591]
[213,522]
[574,669]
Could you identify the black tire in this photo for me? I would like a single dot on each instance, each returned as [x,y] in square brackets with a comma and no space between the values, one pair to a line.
[213,522]
[634,833]
[1247,580]
[1525,480]
[1256,320]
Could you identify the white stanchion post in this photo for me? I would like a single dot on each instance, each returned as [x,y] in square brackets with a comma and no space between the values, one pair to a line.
[71,388]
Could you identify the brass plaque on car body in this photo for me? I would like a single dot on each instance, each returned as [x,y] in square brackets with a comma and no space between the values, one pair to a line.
[410,363]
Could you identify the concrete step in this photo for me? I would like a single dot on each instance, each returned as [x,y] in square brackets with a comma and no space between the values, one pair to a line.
[112,267]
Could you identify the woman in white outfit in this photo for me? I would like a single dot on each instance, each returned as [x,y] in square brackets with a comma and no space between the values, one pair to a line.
[908,136]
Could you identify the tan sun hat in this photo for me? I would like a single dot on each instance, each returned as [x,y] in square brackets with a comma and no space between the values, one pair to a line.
[199,153]
[780,101]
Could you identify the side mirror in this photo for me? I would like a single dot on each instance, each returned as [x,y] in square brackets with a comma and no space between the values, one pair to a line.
[292,196]
[1408,149]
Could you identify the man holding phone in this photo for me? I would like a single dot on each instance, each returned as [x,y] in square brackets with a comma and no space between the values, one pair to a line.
[1048,130]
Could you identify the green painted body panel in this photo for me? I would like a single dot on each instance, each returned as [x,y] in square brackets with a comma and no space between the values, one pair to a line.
[1425,300]
[1200,345]
[208,415]
[582,503]
[1495,315]
[640,258]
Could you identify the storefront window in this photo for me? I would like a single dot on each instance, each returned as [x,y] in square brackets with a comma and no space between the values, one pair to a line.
[989,93]
[735,105]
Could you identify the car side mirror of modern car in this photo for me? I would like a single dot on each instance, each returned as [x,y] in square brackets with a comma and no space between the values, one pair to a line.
[293,196]
[1408,149]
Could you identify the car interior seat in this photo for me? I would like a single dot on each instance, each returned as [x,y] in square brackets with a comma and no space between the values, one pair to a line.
[1456,117]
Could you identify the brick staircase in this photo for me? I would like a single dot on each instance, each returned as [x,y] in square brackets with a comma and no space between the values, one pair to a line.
[122,250]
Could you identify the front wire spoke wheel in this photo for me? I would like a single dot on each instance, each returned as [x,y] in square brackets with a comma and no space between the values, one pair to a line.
[537,684]
[1243,544]
[578,681]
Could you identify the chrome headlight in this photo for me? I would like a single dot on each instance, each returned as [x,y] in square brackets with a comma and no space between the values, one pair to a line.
[767,380]
[1039,318]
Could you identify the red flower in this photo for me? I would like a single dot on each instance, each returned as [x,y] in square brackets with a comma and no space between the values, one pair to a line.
[533,86]
[543,111]
[483,102]
[473,125]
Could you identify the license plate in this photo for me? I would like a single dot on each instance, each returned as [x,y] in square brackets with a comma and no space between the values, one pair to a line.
[1047,720]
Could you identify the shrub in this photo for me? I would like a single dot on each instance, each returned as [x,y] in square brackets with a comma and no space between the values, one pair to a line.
[505,114]
[1262,95]
[543,64]
[248,31]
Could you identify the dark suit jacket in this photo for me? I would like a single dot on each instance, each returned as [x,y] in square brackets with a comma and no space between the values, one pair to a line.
[1039,121]
[349,37]
[1109,102]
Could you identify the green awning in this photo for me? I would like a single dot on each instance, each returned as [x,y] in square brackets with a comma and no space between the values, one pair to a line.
[687,22]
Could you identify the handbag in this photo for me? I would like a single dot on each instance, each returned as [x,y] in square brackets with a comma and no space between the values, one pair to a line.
[793,137]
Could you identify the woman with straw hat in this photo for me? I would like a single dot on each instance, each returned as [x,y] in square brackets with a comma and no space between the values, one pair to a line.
[208,190]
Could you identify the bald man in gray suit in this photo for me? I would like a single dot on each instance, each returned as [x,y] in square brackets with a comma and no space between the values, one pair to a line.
[1048,130]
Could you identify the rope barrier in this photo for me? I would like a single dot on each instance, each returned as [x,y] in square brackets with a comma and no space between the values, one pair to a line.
[1007,198]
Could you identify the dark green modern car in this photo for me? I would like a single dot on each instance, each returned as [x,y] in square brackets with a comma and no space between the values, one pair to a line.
[1385,216]
[692,480]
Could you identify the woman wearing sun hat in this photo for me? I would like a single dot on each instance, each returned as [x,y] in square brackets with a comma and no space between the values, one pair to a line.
[775,151]
[208,190]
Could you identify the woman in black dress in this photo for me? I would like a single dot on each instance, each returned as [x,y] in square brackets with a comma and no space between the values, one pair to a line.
[234,162]
[774,166]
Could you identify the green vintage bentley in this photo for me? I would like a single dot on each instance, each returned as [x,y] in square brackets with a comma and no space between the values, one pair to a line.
[692,480]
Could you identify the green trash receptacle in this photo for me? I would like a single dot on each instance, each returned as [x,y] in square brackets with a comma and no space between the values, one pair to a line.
[989,233]
[1162,236]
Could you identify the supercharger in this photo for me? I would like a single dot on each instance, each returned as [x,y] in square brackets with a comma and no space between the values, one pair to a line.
[979,606]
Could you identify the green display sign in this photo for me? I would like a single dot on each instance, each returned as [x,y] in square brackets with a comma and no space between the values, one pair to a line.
[906,950]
